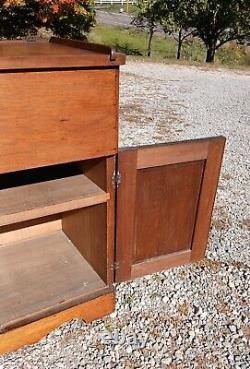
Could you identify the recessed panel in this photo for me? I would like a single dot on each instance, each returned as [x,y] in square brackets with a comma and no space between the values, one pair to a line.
[166,207]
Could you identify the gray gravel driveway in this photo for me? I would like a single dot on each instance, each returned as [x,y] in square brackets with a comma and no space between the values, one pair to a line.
[194,316]
[113,19]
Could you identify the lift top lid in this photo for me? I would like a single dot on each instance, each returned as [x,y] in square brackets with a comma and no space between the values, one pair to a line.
[56,54]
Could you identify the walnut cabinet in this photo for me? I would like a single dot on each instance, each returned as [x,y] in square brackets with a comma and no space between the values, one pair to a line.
[76,213]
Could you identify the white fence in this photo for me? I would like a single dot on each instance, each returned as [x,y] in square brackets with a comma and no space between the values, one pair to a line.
[111,2]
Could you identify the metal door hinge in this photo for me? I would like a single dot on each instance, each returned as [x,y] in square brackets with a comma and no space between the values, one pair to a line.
[115,265]
[116,179]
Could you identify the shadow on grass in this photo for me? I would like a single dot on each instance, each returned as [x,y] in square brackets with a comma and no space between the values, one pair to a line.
[126,49]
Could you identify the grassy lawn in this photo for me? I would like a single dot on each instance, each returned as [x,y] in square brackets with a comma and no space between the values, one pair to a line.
[134,42]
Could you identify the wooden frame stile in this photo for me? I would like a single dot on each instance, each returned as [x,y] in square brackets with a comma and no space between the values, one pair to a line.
[206,155]
[125,214]
[207,197]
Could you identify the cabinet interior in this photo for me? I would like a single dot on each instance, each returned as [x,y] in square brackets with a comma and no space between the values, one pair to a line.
[53,240]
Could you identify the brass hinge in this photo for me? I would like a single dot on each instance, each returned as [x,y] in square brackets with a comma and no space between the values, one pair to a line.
[116,179]
[115,265]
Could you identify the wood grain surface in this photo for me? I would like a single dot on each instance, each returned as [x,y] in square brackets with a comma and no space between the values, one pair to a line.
[27,202]
[42,276]
[57,117]
[59,53]
[165,204]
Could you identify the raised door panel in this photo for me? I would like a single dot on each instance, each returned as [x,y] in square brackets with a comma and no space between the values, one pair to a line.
[164,204]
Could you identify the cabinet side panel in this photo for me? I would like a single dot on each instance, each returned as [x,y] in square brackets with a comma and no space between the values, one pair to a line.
[48,118]
[101,171]
[87,230]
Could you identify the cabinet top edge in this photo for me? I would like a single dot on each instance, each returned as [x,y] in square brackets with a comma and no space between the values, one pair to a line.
[198,140]
[57,53]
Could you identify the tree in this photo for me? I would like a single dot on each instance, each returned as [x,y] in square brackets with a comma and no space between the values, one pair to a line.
[175,19]
[220,21]
[18,18]
[66,18]
[147,17]
[183,35]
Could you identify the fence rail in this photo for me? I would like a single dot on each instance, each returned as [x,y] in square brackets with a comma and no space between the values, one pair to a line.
[111,2]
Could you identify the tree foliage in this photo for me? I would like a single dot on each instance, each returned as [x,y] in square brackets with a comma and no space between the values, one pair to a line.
[148,17]
[220,21]
[215,22]
[175,20]
[66,18]
[17,18]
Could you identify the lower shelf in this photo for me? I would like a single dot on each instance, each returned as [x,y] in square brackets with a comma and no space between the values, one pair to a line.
[42,276]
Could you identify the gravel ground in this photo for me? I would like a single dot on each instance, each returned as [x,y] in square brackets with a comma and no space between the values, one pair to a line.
[195,316]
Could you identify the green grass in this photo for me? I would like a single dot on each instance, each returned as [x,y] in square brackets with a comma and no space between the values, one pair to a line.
[134,42]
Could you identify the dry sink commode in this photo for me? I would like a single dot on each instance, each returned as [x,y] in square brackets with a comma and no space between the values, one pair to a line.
[76,213]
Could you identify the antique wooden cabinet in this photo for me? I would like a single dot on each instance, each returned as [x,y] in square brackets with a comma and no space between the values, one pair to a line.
[77,214]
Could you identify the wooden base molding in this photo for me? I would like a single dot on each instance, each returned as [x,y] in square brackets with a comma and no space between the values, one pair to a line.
[32,333]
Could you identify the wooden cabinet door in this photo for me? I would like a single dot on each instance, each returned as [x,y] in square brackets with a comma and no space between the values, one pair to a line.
[164,204]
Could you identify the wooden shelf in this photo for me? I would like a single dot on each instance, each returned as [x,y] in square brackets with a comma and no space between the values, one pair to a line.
[42,199]
[42,276]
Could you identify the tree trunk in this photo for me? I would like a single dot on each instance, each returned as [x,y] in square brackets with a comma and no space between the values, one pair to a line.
[179,44]
[210,54]
[151,33]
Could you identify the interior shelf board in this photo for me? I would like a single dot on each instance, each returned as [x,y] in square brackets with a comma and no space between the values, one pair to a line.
[42,276]
[37,200]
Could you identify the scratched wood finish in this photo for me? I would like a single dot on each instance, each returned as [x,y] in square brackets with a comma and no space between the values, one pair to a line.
[165,204]
[56,117]
[31,333]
